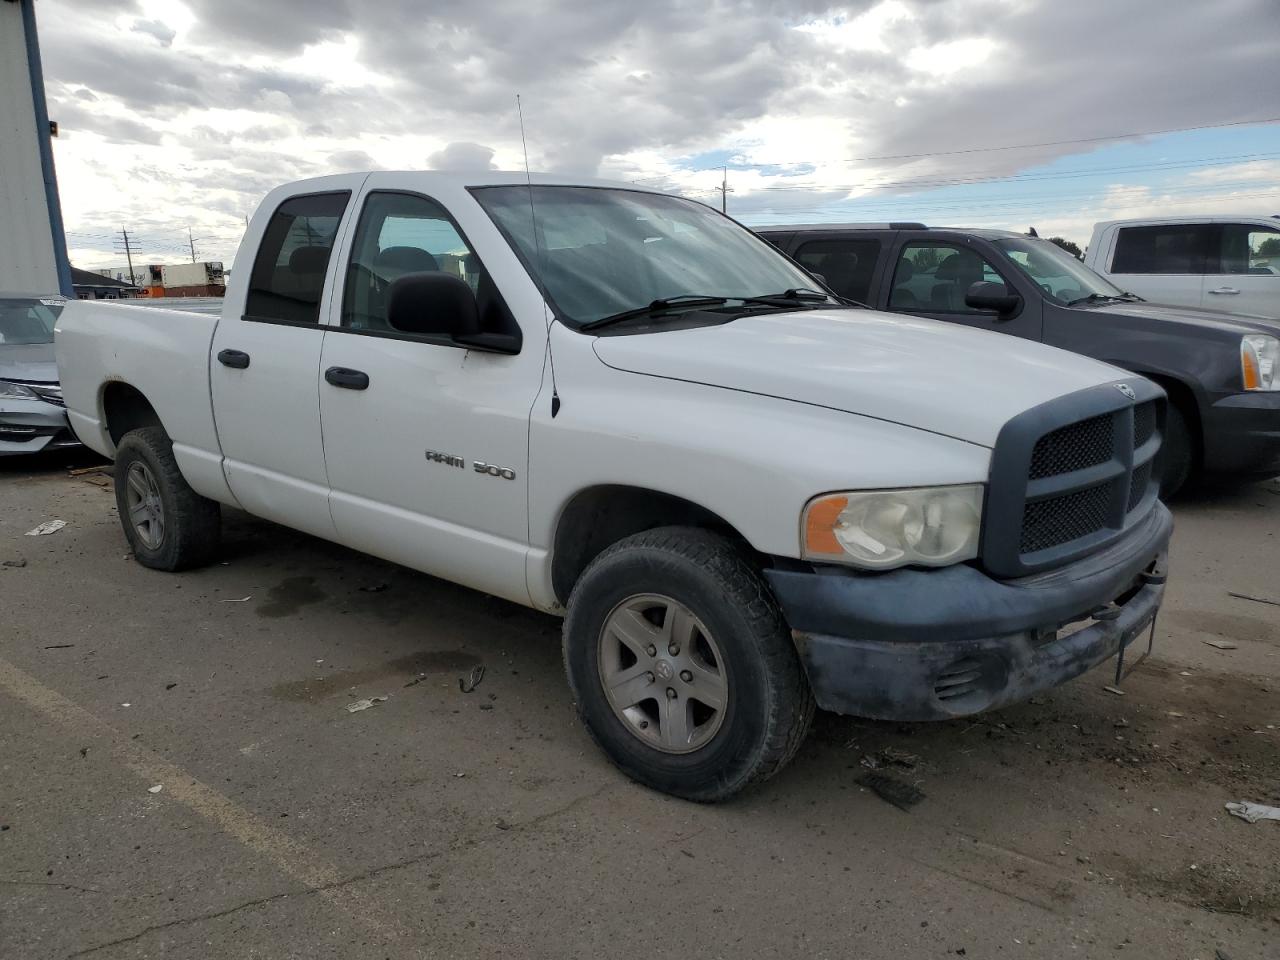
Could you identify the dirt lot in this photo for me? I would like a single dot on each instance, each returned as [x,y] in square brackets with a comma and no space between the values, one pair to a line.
[448,824]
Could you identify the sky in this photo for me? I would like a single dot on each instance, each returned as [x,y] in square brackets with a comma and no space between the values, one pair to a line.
[178,116]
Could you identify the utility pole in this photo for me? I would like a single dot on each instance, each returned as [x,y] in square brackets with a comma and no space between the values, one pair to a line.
[130,246]
[725,190]
[192,244]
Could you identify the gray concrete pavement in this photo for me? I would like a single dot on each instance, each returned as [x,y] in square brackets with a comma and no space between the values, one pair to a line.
[446,824]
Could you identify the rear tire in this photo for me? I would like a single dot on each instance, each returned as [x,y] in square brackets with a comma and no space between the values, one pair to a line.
[1178,452]
[168,525]
[659,586]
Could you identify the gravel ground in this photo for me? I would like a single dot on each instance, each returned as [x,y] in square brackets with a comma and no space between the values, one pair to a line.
[180,776]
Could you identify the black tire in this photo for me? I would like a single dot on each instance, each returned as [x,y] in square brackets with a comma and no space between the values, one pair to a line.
[769,704]
[192,523]
[1178,453]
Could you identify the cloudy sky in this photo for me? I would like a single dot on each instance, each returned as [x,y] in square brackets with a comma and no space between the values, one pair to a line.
[178,115]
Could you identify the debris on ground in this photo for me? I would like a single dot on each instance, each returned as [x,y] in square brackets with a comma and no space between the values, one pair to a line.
[13,563]
[60,646]
[466,685]
[236,599]
[416,680]
[1253,812]
[892,790]
[373,588]
[358,705]
[890,757]
[1221,644]
[156,789]
[84,471]
[46,528]
[97,481]
[1245,596]
[1116,690]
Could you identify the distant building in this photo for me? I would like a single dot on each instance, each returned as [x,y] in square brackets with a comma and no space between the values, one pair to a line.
[95,286]
[205,278]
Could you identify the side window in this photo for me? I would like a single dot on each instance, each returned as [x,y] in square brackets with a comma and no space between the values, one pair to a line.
[287,279]
[934,277]
[398,234]
[1167,248]
[1249,249]
[846,264]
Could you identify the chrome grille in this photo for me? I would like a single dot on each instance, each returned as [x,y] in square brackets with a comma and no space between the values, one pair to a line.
[49,392]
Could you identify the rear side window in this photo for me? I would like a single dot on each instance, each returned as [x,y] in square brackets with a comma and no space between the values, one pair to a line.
[1167,248]
[288,274]
[846,265]
[935,277]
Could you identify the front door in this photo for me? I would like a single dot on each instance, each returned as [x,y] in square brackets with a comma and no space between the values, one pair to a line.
[1248,271]
[265,366]
[932,276]
[428,446]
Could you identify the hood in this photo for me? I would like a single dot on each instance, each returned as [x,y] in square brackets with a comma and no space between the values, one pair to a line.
[1234,323]
[28,361]
[935,376]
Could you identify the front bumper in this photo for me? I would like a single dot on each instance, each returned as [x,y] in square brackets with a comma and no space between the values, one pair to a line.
[1242,434]
[937,644]
[29,426]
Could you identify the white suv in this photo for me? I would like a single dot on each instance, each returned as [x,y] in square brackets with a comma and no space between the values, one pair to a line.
[1229,263]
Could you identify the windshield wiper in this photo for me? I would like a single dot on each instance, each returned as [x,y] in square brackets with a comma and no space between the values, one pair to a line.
[656,307]
[1093,298]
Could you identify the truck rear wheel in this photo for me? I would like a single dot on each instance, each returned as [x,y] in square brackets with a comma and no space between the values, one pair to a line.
[682,666]
[168,525]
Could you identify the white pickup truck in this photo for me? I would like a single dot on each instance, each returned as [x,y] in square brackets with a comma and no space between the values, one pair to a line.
[623,408]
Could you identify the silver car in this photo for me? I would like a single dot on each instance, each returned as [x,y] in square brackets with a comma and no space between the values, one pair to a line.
[32,415]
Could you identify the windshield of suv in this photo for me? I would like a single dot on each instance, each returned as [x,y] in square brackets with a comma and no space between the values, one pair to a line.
[602,251]
[28,321]
[1060,275]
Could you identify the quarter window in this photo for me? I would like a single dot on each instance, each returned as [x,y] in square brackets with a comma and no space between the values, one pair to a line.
[847,266]
[287,280]
[934,278]
[1167,248]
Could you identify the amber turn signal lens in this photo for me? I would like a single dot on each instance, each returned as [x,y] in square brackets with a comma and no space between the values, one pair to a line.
[819,526]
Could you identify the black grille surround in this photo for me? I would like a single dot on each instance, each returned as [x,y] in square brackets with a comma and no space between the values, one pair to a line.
[1072,475]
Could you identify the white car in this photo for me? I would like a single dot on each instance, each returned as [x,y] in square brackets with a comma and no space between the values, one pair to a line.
[1229,263]
[624,408]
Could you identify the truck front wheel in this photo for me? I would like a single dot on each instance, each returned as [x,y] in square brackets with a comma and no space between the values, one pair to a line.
[682,665]
[168,525]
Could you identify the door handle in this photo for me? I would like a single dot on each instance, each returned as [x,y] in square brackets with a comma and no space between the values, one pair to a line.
[1227,290]
[233,358]
[347,378]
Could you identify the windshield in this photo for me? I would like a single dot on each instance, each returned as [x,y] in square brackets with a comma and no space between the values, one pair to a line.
[602,251]
[1058,273]
[28,321]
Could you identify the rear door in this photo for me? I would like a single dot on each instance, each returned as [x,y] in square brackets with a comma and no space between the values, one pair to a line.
[932,272]
[427,443]
[1164,262]
[1244,274]
[265,365]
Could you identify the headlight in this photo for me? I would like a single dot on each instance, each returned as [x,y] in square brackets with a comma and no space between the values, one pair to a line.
[883,529]
[16,391]
[1259,357]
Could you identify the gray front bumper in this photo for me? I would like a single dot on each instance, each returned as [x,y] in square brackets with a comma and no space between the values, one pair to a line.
[29,426]
[937,644]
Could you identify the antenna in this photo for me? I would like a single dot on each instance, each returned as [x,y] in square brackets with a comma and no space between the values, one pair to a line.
[537,253]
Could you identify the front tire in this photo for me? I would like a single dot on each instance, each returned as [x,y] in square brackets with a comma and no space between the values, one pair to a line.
[1178,453]
[168,525]
[682,666]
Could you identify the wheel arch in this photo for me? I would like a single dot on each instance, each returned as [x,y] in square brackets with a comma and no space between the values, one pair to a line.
[126,408]
[597,517]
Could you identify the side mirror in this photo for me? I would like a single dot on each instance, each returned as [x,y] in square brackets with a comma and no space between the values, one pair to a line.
[985,295]
[433,303]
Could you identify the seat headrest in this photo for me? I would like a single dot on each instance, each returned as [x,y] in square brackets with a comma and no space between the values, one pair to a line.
[308,261]
[959,265]
[906,270]
[402,260]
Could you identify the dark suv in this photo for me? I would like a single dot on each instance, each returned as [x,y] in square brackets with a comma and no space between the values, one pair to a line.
[1219,370]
